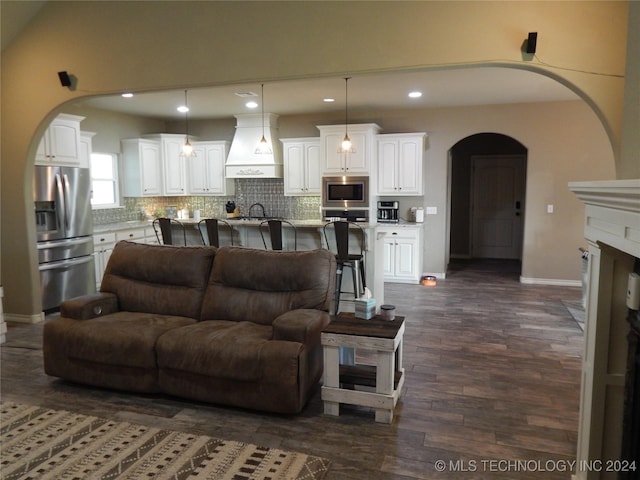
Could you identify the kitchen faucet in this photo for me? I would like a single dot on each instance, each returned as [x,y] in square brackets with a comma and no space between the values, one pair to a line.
[264,215]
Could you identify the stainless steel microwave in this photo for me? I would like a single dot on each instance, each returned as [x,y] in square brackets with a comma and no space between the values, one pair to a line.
[345,192]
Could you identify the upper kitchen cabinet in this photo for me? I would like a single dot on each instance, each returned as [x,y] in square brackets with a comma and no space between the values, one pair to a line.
[174,173]
[60,144]
[302,166]
[205,171]
[358,162]
[142,167]
[86,147]
[400,163]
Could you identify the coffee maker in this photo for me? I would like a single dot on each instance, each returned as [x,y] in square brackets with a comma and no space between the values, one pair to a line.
[388,211]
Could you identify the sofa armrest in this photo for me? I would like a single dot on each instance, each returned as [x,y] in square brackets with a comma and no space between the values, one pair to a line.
[302,325]
[89,306]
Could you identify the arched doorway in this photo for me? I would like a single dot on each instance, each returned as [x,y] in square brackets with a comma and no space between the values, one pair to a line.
[488,181]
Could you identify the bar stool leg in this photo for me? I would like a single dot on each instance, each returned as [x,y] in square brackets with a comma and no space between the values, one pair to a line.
[338,288]
[355,271]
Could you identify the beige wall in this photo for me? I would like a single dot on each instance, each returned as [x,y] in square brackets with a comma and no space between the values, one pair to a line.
[630,156]
[112,46]
[565,142]
[110,127]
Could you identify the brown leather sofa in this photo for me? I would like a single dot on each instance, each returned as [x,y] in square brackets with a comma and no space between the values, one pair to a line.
[233,326]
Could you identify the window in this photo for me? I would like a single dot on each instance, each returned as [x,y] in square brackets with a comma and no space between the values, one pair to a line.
[104,180]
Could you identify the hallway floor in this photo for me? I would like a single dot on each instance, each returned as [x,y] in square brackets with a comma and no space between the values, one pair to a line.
[492,378]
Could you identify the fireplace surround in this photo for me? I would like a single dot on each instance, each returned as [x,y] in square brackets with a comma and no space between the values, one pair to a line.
[631,420]
[612,230]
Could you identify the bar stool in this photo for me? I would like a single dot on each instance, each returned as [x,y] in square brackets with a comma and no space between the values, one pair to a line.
[275,233]
[165,226]
[354,261]
[212,228]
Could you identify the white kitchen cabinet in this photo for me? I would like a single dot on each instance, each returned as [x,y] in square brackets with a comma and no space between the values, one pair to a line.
[142,167]
[358,162]
[86,147]
[302,170]
[174,173]
[60,144]
[205,171]
[402,253]
[131,235]
[400,159]
[103,244]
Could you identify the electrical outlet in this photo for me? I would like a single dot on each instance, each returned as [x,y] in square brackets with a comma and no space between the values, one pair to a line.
[550,208]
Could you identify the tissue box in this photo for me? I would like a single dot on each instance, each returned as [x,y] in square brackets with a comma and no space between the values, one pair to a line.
[365,308]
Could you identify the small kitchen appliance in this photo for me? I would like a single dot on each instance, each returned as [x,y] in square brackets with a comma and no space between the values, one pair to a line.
[346,192]
[359,216]
[416,214]
[388,211]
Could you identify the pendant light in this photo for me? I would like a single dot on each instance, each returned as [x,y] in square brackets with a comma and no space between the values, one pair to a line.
[263,147]
[346,146]
[187,148]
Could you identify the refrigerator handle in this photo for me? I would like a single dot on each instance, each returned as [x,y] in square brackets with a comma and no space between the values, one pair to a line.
[65,263]
[62,216]
[67,200]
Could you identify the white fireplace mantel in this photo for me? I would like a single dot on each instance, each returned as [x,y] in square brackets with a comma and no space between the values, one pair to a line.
[612,229]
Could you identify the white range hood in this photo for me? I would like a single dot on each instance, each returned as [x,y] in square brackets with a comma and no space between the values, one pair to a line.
[242,161]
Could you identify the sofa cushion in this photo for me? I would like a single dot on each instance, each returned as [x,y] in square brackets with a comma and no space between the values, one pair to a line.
[122,338]
[240,351]
[258,286]
[158,278]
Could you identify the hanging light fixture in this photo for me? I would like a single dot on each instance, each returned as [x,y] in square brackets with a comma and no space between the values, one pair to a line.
[346,146]
[263,147]
[187,148]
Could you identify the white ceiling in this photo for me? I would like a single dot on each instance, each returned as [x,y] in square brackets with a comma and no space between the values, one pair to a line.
[443,88]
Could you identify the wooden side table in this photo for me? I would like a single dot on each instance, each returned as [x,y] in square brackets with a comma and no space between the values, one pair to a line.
[383,337]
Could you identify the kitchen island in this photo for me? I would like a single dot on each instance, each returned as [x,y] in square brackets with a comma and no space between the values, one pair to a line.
[246,234]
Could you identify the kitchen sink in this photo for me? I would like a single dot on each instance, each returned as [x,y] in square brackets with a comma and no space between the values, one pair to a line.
[247,218]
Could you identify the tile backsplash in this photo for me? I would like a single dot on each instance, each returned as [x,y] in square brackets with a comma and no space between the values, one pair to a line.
[268,192]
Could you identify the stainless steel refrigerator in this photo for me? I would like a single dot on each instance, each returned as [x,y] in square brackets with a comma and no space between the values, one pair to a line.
[64,226]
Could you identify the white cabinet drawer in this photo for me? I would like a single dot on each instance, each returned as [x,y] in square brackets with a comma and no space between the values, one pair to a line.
[107,238]
[132,235]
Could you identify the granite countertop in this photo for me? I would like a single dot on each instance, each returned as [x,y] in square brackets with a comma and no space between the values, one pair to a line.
[112,227]
[253,222]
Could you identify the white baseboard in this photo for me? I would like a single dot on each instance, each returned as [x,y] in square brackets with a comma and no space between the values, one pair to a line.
[550,281]
[17,318]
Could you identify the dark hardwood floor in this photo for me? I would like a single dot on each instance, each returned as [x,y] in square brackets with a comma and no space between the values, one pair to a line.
[492,388]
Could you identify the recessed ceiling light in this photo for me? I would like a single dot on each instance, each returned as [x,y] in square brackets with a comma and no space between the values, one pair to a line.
[183,109]
[328,100]
[251,104]
[127,95]
[415,94]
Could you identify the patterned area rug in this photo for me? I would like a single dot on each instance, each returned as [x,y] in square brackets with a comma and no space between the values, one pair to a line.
[56,444]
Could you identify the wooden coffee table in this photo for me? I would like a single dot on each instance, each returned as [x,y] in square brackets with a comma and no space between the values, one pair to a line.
[375,386]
